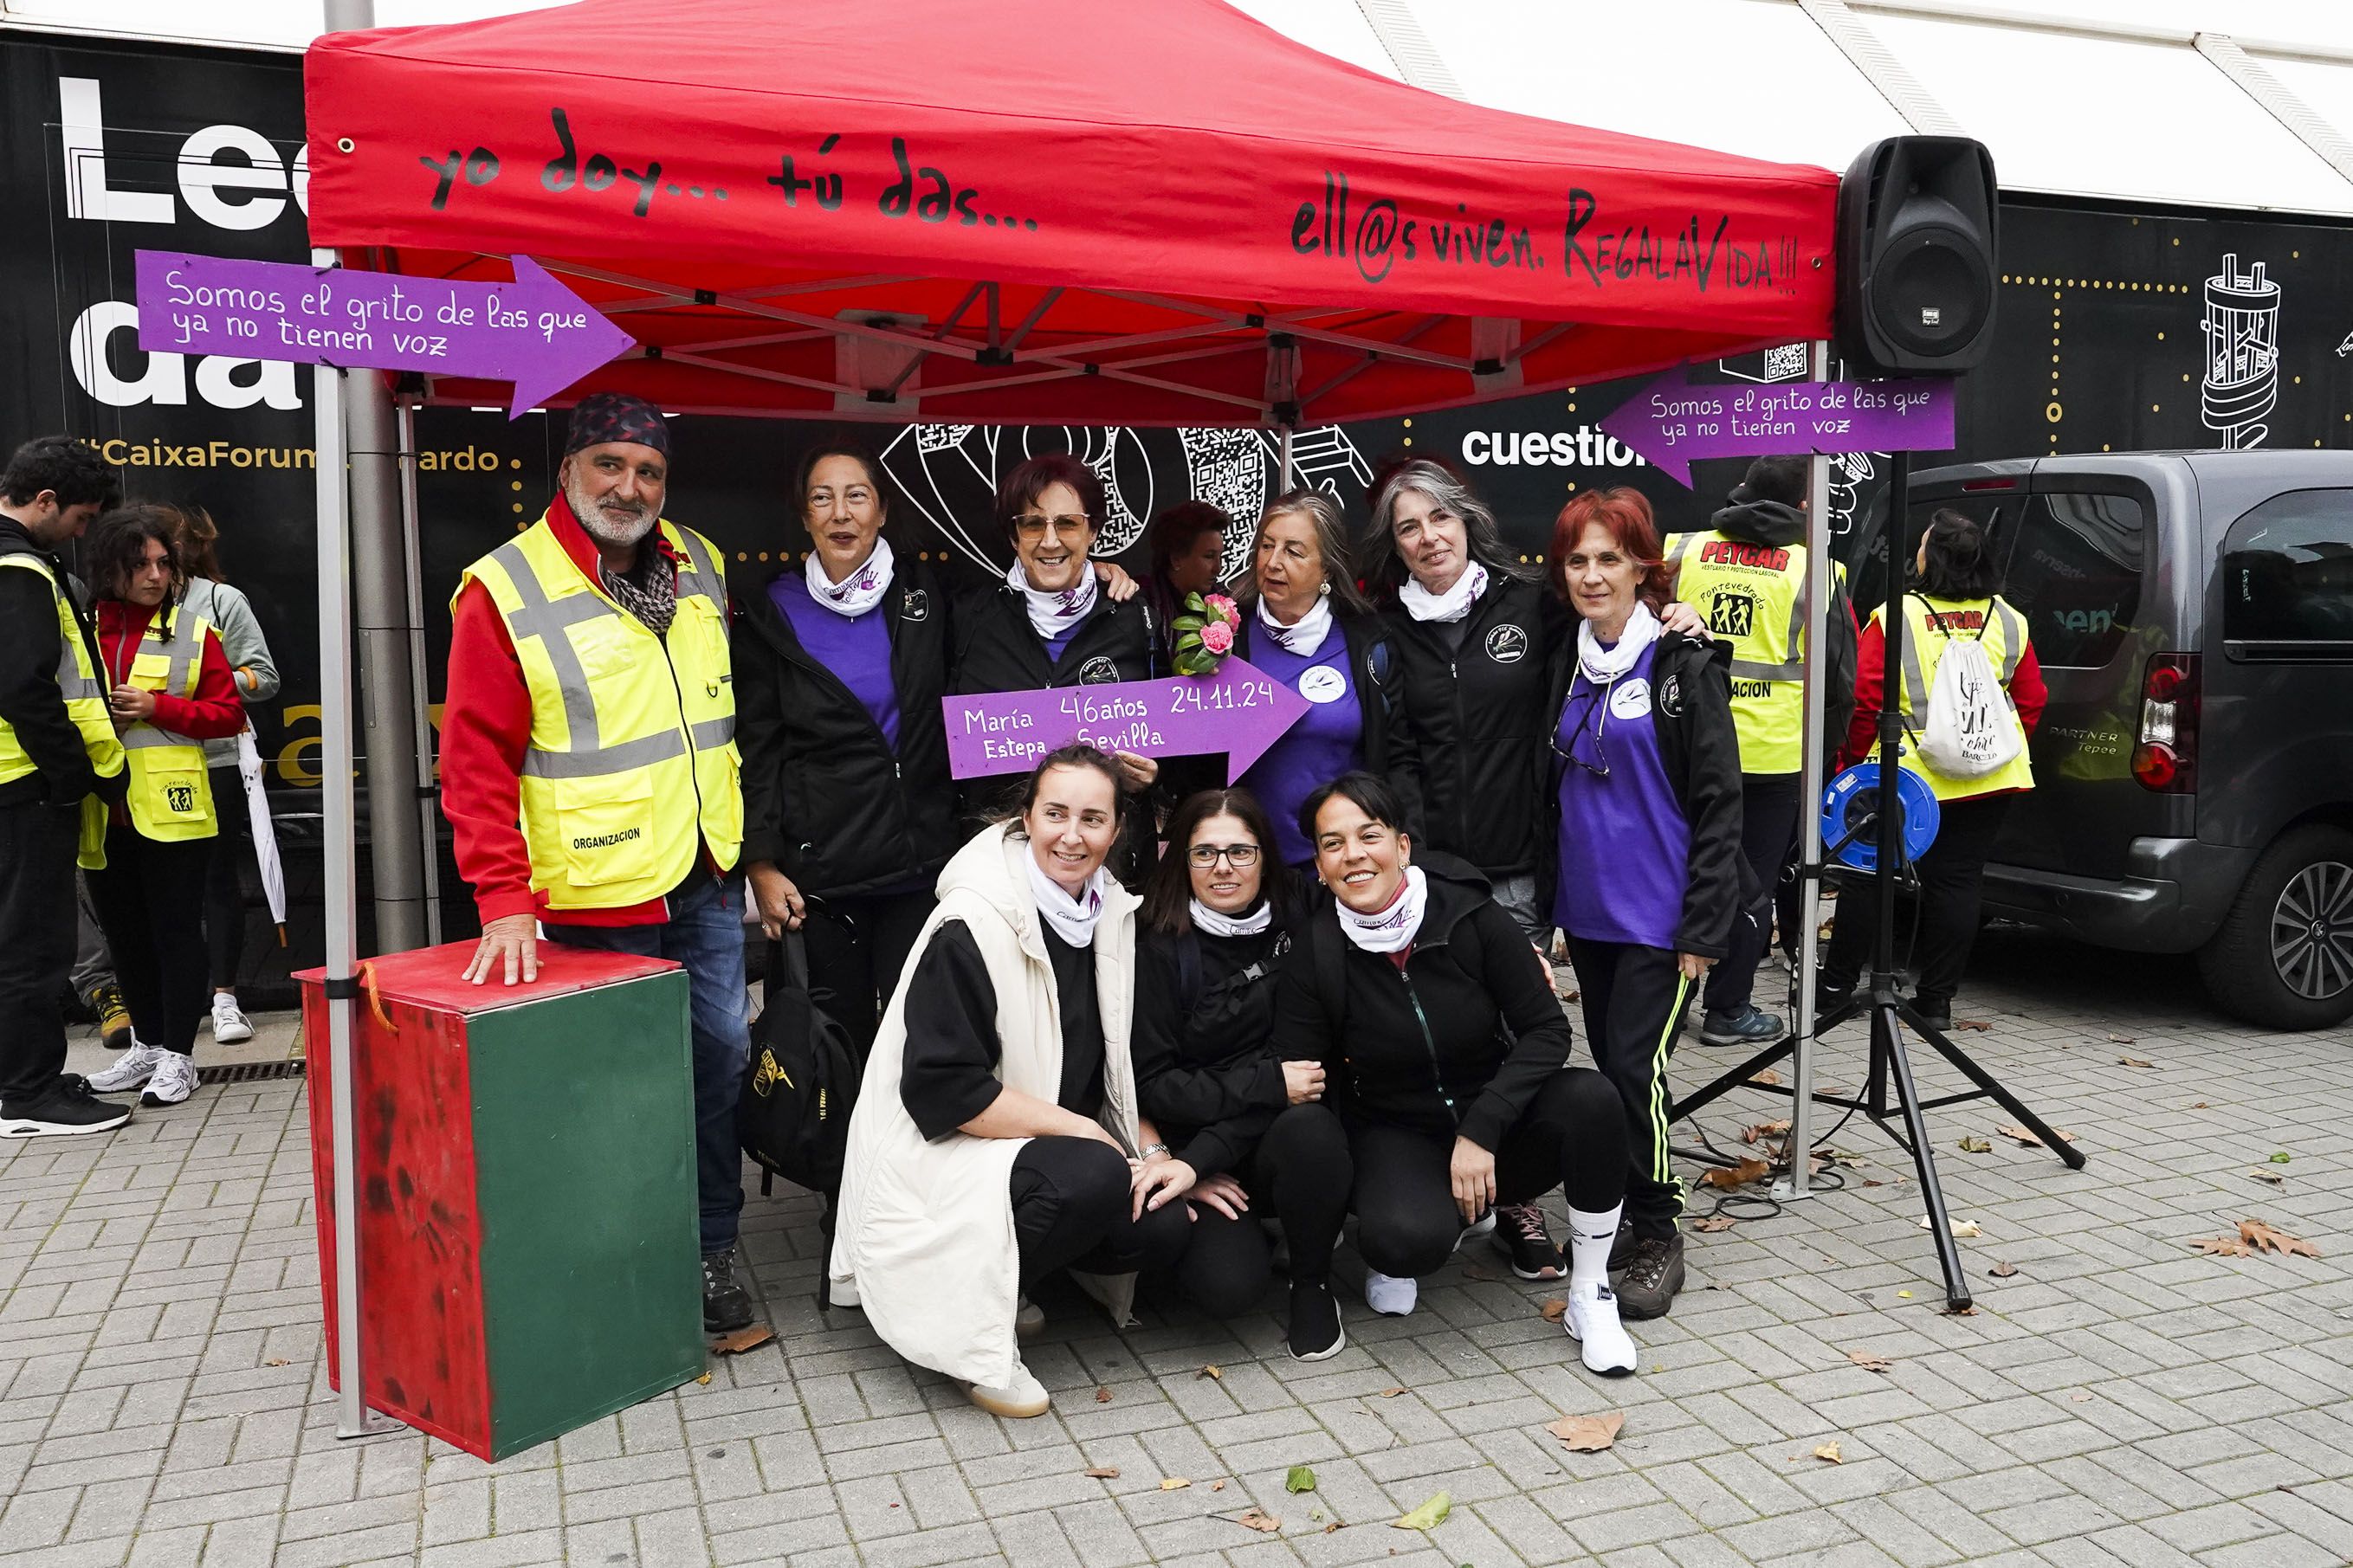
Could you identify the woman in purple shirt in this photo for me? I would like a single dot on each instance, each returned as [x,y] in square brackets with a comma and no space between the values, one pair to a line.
[1646,777]
[1307,623]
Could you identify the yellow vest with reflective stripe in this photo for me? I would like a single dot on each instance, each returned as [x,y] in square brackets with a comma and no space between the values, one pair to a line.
[82,683]
[171,793]
[631,760]
[1929,626]
[1753,597]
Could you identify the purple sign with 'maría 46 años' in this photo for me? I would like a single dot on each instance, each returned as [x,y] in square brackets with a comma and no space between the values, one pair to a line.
[1676,422]
[1238,711]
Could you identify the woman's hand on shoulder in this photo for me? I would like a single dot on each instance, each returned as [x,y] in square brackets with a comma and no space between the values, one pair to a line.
[1117,583]
[1679,616]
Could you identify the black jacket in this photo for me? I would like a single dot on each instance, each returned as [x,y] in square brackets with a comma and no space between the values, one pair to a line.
[1373,670]
[1691,708]
[1772,524]
[30,701]
[1469,751]
[824,795]
[1470,1019]
[1206,1071]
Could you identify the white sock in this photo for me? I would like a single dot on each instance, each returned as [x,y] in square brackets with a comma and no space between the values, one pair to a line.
[1590,1237]
[221,996]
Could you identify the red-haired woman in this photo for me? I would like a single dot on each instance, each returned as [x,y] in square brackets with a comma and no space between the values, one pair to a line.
[1646,777]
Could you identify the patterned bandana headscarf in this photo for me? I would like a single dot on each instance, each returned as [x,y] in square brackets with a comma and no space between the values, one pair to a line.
[617,416]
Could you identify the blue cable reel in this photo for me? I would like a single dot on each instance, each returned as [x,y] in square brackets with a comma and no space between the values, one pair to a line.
[1851,803]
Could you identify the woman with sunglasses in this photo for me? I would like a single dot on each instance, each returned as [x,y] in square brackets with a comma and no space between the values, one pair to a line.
[1217,927]
[1648,869]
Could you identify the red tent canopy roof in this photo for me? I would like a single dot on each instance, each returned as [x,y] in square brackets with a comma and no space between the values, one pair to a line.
[1042,211]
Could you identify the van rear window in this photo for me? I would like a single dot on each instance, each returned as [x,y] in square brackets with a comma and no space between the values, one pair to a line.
[2074,570]
[2287,577]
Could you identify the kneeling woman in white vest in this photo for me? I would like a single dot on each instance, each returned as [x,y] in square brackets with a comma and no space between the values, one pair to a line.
[996,1140]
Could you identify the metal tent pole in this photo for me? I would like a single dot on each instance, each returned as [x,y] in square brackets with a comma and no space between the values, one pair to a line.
[420,690]
[1290,470]
[1813,764]
[381,588]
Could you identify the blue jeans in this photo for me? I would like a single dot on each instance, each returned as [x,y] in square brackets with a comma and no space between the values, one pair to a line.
[705,934]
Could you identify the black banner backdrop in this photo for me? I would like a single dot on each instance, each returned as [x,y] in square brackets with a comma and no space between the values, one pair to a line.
[2118,330]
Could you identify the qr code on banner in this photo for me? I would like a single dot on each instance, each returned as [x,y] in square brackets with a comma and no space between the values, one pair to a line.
[1784,362]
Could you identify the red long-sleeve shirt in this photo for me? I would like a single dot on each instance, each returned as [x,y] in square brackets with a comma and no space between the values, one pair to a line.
[2026,690]
[213,713]
[485,730]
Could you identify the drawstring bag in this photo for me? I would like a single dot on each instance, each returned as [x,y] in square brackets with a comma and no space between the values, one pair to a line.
[799,1082]
[1970,728]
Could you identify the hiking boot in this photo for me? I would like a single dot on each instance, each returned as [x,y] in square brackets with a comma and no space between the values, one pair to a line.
[174,1079]
[129,1070]
[1316,1330]
[1520,1233]
[1621,1250]
[1654,1274]
[1388,1295]
[230,1025]
[726,1305]
[1023,1397]
[1750,1026]
[113,1017]
[1592,1321]
[65,1108]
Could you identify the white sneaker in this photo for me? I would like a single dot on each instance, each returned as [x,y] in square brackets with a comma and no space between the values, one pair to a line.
[174,1080]
[1386,1294]
[1592,1322]
[1485,1226]
[230,1025]
[132,1068]
[1025,1396]
[1028,1318]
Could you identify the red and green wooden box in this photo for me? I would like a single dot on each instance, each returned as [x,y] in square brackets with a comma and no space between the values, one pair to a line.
[527,1215]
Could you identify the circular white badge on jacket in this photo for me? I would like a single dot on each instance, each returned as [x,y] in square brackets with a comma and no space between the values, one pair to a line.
[1630,699]
[1321,683]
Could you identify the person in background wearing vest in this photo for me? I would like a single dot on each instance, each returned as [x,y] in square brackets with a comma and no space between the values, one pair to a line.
[1954,578]
[57,750]
[170,689]
[848,802]
[589,770]
[1647,788]
[230,614]
[1746,579]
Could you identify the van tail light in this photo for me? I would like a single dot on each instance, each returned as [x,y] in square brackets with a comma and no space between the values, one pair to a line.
[2165,758]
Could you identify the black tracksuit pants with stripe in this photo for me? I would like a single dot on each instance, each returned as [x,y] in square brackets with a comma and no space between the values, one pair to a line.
[1633,999]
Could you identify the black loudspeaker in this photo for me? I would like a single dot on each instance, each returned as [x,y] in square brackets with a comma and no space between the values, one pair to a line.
[1916,256]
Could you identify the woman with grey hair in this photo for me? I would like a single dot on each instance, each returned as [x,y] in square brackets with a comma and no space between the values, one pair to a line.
[1309,626]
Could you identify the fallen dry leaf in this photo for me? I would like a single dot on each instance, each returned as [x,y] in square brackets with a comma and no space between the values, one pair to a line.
[1738,1175]
[1211,1370]
[1389,1393]
[705,1378]
[1174,1483]
[2133,1062]
[2223,1246]
[743,1339]
[2021,1135]
[1483,1275]
[278,1360]
[1873,1181]
[1766,1076]
[1588,1434]
[2199,1105]
[1962,1228]
[1429,1516]
[2123,1040]
[1977,1024]
[2256,1234]
[1553,1309]
[1713,1223]
[1258,1519]
[1335,1524]
[1869,1363]
[1976,1146]
[1105,1472]
[1829,1453]
[1216,1486]
[2002,1270]
[1103,1396]
[2079,1398]
[1762,1130]
[1952,1312]
[2276,1178]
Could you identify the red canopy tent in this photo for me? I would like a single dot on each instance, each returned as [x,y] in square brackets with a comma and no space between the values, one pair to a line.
[1042,211]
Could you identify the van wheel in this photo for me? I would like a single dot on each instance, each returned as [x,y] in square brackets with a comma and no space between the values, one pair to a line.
[2283,957]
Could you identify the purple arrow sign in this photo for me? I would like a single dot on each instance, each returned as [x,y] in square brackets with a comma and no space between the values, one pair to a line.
[533,332]
[1238,711]
[1676,423]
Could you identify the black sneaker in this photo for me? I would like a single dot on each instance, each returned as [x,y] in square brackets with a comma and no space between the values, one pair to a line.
[726,1305]
[1751,1026]
[1520,1232]
[1654,1274]
[65,1108]
[1937,1015]
[1316,1330]
[1830,997]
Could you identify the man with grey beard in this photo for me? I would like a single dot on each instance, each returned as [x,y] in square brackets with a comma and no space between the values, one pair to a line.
[588,765]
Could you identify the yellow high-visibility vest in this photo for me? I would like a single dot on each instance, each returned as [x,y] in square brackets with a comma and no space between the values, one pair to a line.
[1753,597]
[82,683]
[632,761]
[171,793]
[1929,624]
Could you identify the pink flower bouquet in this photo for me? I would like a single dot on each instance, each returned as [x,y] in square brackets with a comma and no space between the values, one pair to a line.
[1205,633]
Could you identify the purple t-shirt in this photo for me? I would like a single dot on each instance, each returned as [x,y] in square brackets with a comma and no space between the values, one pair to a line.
[1625,848]
[857,648]
[1323,745]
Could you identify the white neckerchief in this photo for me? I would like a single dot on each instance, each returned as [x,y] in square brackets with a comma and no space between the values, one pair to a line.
[1392,929]
[858,593]
[1304,638]
[1603,665]
[1453,605]
[1074,920]
[1209,923]
[1053,614]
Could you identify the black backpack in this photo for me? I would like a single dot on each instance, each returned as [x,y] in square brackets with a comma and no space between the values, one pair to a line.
[799,1082]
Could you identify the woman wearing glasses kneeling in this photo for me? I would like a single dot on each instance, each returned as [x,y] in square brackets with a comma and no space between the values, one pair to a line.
[1217,918]
[1446,1052]
[1647,784]
[996,1139]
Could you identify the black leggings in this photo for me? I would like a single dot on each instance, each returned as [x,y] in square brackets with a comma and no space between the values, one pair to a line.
[1768,828]
[1952,892]
[1071,1208]
[1300,1174]
[1634,998]
[857,948]
[146,900]
[224,887]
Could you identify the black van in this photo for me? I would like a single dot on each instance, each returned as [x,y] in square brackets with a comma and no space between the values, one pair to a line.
[2193,614]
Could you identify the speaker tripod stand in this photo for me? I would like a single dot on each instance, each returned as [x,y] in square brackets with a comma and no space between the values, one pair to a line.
[1890,1063]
